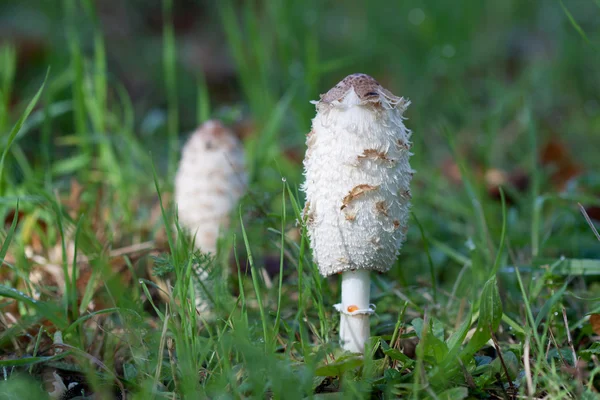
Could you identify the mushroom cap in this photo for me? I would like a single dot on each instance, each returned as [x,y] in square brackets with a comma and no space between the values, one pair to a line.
[357,177]
[210,180]
[366,88]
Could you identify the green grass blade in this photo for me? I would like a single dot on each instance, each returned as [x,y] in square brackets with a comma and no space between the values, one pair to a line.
[549,304]
[528,307]
[430,261]
[71,287]
[281,257]
[17,127]
[46,309]
[9,235]
[255,281]
[574,23]
[502,236]
[202,100]
[21,362]
[490,315]
[164,214]
[170,74]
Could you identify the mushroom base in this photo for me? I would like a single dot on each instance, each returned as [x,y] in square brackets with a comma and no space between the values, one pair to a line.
[355,310]
[200,281]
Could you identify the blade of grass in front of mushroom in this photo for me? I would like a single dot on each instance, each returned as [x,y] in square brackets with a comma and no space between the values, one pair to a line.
[281,260]
[255,281]
[166,219]
[303,285]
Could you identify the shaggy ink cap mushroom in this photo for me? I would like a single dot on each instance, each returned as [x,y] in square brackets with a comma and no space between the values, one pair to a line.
[357,192]
[209,183]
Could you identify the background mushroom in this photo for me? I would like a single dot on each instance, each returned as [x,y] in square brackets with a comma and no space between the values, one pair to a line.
[210,180]
[357,192]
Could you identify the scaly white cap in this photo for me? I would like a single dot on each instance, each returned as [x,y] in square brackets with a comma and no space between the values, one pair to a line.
[357,177]
[209,183]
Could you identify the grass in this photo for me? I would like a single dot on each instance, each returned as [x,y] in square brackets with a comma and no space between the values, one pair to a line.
[494,295]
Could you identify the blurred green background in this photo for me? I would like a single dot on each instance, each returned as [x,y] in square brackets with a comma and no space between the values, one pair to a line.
[470,64]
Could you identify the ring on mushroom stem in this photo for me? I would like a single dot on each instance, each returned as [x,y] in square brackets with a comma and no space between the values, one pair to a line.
[357,222]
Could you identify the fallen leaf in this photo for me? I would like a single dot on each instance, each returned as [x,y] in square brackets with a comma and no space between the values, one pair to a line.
[556,157]
[595,322]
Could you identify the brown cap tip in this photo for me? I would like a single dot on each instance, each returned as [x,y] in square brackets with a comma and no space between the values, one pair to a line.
[365,87]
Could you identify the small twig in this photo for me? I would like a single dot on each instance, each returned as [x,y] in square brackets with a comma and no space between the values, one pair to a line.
[553,339]
[134,248]
[588,220]
[461,310]
[170,347]
[578,374]
[161,348]
[467,375]
[266,278]
[499,377]
[527,366]
[512,388]
[569,340]
[398,329]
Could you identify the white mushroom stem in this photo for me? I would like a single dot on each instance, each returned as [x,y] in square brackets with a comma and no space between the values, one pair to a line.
[355,310]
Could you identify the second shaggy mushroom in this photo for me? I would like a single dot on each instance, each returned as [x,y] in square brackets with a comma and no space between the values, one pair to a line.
[210,181]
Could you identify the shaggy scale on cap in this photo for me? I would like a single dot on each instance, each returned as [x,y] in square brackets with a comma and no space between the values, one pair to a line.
[357,177]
